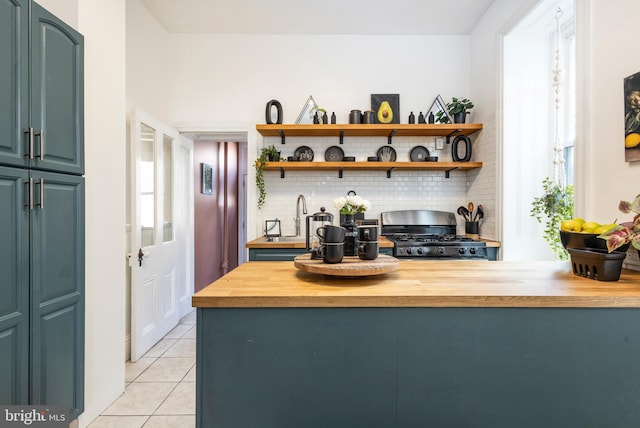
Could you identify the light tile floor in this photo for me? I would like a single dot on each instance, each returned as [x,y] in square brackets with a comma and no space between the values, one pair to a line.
[160,387]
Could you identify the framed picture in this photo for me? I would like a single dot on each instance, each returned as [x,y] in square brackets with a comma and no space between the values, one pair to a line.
[207,179]
[632,118]
[386,107]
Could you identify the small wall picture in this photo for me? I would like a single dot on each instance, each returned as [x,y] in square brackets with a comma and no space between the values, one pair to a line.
[632,118]
[386,107]
[207,179]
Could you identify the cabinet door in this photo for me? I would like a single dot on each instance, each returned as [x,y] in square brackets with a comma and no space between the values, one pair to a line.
[56,94]
[14,287]
[14,113]
[57,293]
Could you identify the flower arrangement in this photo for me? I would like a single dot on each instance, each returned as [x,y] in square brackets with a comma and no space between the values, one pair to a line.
[628,232]
[352,204]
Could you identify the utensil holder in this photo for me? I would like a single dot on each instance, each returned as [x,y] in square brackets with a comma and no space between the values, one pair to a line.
[472,229]
[597,264]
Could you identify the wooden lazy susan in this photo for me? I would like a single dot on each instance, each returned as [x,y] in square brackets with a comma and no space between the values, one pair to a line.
[350,266]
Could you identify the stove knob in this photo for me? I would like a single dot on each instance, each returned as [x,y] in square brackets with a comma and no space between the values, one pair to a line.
[461,251]
[408,250]
[440,251]
[419,250]
[472,250]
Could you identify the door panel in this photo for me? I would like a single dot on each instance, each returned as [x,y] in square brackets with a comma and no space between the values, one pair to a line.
[56,94]
[155,257]
[14,113]
[14,287]
[57,272]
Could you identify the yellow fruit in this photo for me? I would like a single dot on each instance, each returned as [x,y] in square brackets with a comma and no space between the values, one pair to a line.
[579,220]
[385,113]
[604,228]
[632,140]
[590,226]
[570,226]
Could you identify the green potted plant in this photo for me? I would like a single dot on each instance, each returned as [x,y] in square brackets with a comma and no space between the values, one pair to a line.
[551,209]
[458,108]
[266,154]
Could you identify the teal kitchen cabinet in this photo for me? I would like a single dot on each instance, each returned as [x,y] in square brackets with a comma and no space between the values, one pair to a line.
[42,284]
[41,209]
[41,122]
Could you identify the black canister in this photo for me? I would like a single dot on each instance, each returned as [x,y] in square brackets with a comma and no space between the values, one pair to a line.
[355,116]
[412,118]
[369,117]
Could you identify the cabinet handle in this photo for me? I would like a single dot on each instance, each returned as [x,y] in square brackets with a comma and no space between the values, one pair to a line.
[29,185]
[41,135]
[41,204]
[30,153]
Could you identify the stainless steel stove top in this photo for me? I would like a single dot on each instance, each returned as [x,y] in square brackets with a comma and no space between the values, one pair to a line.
[429,234]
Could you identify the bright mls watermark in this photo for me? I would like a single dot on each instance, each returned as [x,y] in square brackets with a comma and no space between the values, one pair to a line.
[33,416]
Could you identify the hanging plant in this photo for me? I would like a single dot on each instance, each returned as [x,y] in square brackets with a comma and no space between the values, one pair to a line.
[266,154]
[552,208]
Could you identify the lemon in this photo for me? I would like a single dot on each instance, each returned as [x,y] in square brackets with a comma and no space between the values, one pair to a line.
[570,226]
[590,226]
[632,140]
[604,228]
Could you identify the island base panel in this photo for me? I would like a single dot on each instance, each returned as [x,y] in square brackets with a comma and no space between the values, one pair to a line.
[418,367]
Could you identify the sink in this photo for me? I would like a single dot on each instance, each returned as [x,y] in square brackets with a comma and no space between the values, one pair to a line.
[287,239]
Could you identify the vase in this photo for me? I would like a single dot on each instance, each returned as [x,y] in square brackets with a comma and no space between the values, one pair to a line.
[351,236]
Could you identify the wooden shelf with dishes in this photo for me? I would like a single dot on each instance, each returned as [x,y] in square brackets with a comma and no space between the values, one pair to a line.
[389,167]
[449,130]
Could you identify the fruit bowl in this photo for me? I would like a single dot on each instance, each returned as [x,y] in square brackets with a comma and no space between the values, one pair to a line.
[586,240]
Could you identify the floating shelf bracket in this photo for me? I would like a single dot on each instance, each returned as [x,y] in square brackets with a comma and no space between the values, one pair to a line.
[340,170]
[342,136]
[389,172]
[457,131]
[281,172]
[282,137]
[446,173]
[390,137]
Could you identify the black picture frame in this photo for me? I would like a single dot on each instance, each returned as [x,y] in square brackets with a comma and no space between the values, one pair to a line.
[207,179]
[632,118]
[393,101]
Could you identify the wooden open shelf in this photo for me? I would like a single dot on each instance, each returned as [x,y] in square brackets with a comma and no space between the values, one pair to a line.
[369,166]
[376,130]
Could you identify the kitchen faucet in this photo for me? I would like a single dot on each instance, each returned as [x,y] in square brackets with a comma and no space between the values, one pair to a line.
[304,211]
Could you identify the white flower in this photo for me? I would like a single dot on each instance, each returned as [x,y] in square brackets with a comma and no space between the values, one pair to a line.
[339,203]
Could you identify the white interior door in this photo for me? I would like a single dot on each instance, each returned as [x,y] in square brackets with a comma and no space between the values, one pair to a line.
[156,266]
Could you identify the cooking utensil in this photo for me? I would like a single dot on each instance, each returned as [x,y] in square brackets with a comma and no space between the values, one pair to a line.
[470,208]
[479,213]
[464,212]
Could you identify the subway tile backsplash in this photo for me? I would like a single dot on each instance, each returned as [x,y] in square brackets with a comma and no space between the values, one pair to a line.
[404,190]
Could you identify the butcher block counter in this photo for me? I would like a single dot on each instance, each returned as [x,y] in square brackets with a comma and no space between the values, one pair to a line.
[434,343]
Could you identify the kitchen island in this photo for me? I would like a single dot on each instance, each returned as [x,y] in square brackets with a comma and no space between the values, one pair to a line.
[435,343]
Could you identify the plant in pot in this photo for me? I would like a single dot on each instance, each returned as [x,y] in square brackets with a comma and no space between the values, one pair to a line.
[266,154]
[458,108]
[628,232]
[551,209]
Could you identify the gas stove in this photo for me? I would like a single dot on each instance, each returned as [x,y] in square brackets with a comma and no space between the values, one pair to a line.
[428,234]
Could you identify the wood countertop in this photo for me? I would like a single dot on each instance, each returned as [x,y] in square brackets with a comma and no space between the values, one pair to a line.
[419,283]
[292,242]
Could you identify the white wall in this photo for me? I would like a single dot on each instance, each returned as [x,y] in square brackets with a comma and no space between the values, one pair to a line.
[102,24]
[608,178]
[229,78]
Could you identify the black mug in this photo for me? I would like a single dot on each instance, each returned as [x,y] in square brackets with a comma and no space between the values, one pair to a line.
[367,233]
[368,250]
[331,233]
[332,252]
